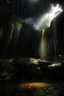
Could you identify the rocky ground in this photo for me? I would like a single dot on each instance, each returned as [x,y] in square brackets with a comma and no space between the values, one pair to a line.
[9,88]
[17,82]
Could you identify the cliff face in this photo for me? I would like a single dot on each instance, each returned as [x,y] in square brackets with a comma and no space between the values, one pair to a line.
[28,42]
[55,37]
[20,41]
[57,26]
[29,39]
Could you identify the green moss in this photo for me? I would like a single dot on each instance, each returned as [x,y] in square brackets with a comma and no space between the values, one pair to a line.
[38,92]
[6,60]
[18,23]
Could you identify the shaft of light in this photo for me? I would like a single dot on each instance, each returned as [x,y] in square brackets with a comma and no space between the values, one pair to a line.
[46,19]
[33,1]
[34,85]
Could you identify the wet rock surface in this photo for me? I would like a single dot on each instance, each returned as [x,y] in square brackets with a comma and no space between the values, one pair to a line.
[15,73]
[12,89]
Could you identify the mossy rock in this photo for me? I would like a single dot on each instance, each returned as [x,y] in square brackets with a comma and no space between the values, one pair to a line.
[38,92]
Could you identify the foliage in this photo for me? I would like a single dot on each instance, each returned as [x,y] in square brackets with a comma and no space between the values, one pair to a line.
[6,60]
[17,23]
[7,1]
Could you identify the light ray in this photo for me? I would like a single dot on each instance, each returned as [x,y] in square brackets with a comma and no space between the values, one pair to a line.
[46,19]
